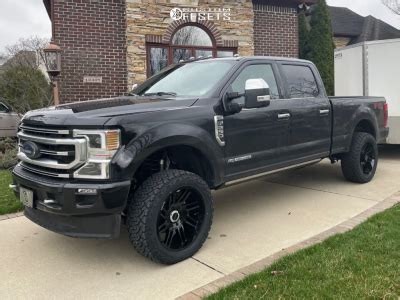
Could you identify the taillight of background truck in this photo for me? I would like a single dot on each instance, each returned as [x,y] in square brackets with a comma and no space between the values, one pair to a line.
[385,115]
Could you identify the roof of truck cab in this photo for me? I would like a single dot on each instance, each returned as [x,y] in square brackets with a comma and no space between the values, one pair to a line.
[250,58]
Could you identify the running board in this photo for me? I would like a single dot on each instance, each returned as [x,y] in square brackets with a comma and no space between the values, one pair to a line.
[249,178]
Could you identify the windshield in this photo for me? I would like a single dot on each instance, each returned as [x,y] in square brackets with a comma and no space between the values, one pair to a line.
[192,79]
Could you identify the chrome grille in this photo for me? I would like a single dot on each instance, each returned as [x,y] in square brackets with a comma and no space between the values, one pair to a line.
[44,171]
[60,153]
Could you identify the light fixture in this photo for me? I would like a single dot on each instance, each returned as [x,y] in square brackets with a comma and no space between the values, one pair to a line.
[52,54]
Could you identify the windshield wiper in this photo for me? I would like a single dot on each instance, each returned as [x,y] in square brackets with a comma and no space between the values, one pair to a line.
[161,94]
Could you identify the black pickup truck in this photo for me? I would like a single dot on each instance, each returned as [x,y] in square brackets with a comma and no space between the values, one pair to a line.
[150,159]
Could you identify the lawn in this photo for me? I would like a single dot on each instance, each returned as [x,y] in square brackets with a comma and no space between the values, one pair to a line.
[8,202]
[362,263]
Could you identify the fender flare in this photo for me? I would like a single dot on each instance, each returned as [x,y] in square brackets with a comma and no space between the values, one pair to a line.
[130,157]
[364,113]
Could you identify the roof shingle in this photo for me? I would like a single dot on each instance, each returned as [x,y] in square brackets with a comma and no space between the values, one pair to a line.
[347,23]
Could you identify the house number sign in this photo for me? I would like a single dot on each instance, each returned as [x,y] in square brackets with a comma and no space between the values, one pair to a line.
[92,79]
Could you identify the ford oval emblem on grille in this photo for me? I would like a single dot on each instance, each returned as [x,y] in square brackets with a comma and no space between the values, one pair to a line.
[31,150]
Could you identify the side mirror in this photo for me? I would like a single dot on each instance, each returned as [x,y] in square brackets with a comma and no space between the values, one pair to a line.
[256,93]
[232,107]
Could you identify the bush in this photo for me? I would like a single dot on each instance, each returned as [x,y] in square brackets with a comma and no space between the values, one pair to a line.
[25,88]
[8,153]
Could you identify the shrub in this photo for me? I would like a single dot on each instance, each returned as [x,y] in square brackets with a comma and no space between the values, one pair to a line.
[25,88]
[8,153]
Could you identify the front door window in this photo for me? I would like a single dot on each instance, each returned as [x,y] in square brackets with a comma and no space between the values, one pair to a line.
[263,71]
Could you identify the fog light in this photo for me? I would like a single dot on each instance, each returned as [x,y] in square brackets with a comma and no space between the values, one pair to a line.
[87,192]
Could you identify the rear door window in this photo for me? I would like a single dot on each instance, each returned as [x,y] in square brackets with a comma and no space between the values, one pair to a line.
[301,81]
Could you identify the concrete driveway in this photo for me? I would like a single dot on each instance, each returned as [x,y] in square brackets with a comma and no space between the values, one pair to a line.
[252,221]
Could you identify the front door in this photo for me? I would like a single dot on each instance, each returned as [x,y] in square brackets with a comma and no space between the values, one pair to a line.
[255,138]
[310,113]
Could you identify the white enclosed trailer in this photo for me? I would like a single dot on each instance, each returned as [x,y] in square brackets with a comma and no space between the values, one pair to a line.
[372,69]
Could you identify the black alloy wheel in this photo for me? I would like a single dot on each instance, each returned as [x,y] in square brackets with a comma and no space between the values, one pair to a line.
[180,218]
[360,163]
[170,215]
[367,158]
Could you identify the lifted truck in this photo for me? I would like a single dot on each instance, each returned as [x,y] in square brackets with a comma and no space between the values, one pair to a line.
[151,159]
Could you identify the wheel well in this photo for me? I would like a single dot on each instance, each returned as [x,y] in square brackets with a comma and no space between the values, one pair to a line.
[179,157]
[365,126]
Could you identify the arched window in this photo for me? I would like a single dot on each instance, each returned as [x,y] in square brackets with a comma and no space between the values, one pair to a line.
[192,35]
[188,41]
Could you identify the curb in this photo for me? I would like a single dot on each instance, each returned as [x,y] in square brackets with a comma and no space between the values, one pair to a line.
[11,216]
[260,265]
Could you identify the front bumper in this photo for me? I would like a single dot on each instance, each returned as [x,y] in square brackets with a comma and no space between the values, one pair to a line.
[58,207]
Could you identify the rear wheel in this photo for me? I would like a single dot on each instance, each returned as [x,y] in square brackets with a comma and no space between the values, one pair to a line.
[359,165]
[170,216]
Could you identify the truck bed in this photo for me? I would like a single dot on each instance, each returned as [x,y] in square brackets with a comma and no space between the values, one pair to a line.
[352,110]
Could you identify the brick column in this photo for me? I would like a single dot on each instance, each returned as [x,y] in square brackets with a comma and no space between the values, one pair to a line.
[275,31]
[91,34]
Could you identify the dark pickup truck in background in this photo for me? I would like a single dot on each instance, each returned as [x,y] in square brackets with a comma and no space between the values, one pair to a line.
[150,159]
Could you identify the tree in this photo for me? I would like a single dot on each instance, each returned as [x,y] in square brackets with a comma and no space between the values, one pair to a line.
[320,44]
[25,88]
[393,5]
[22,52]
[303,36]
[23,83]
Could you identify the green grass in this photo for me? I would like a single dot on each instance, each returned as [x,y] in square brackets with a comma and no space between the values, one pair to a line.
[361,264]
[8,202]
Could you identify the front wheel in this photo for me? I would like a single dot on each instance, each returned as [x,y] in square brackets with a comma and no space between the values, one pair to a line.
[170,216]
[360,163]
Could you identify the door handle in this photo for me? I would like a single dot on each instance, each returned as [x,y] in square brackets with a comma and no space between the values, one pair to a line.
[324,111]
[283,116]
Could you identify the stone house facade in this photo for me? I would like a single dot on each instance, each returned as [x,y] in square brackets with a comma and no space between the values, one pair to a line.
[109,45]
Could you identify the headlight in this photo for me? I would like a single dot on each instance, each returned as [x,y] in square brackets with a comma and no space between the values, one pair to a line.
[102,145]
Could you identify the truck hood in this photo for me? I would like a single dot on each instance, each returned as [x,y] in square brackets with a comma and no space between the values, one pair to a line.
[98,112]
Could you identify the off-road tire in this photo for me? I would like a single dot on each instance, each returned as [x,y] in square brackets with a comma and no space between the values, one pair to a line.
[351,167]
[144,208]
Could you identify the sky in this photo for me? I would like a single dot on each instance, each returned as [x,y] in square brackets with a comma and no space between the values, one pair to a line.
[22,19]
[369,7]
